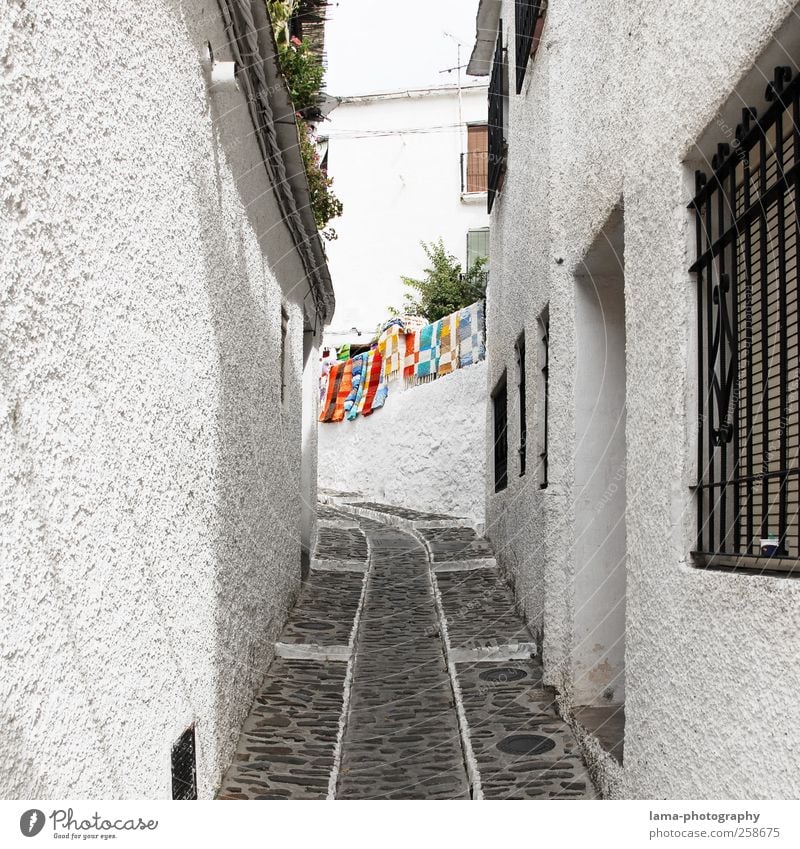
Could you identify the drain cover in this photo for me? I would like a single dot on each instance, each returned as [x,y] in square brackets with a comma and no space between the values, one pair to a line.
[526,744]
[505,673]
[313,625]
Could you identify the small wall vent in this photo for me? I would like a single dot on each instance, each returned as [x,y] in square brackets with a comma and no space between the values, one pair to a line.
[184,767]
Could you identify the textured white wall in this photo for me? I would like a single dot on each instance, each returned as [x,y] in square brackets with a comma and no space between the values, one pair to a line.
[149,494]
[612,105]
[423,449]
[395,165]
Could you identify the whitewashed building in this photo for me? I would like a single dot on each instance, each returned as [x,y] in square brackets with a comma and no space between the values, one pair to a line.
[408,166]
[642,354]
[163,294]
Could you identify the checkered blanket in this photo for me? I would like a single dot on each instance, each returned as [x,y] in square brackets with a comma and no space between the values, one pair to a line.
[370,384]
[448,345]
[389,348]
[471,334]
[345,385]
[408,362]
[426,355]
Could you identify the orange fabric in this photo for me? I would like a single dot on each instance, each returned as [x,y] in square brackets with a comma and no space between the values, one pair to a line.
[345,385]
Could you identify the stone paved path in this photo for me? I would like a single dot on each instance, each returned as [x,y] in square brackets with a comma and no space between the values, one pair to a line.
[404,672]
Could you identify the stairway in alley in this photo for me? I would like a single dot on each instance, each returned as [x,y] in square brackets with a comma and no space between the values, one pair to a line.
[404,672]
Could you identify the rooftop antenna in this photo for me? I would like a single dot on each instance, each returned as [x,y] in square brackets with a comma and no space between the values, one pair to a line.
[460,106]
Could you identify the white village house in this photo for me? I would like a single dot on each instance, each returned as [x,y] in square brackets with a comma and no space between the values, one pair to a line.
[643,369]
[163,297]
[409,166]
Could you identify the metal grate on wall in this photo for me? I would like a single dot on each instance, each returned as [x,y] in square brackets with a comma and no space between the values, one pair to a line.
[527,13]
[184,766]
[748,335]
[500,416]
[498,94]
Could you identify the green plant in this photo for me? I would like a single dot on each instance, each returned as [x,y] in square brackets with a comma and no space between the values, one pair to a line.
[443,289]
[324,203]
[280,13]
[303,72]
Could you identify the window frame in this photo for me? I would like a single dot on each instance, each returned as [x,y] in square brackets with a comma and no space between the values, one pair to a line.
[527,29]
[500,433]
[498,100]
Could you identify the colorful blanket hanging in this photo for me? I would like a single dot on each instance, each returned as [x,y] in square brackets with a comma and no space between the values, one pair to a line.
[373,377]
[448,345]
[425,357]
[334,382]
[471,327]
[389,347]
[358,380]
[343,353]
[345,385]
[410,358]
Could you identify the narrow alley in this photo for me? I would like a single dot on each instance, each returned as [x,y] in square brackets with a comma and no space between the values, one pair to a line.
[404,672]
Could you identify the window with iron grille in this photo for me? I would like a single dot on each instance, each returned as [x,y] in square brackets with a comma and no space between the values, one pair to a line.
[500,410]
[498,96]
[523,417]
[544,388]
[747,328]
[475,167]
[528,28]
[284,334]
[184,767]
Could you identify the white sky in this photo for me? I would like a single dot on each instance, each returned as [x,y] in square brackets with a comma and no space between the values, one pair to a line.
[374,45]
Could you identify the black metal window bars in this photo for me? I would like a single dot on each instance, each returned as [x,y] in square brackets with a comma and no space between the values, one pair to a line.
[500,416]
[527,14]
[748,353]
[497,143]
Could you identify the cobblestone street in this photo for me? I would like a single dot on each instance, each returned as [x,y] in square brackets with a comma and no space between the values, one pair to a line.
[404,672]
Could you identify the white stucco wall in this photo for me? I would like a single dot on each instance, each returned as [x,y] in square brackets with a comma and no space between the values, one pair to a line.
[423,449]
[395,162]
[149,495]
[612,106]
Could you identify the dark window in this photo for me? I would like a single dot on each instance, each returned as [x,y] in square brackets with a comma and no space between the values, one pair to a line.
[184,769]
[523,417]
[544,386]
[498,96]
[529,22]
[475,168]
[500,407]
[747,330]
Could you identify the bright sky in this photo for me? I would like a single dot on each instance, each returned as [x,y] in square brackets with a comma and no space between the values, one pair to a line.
[374,45]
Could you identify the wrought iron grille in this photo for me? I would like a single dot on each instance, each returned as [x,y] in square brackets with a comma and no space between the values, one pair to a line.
[523,409]
[527,14]
[184,769]
[497,141]
[747,323]
[500,409]
[544,326]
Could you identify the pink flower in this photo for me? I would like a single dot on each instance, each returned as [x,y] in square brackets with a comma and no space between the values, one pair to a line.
[296,41]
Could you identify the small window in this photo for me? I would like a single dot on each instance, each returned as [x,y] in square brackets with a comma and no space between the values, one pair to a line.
[284,335]
[475,172]
[477,246]
[523,418]
[544,394]
[184,767]
[500,408]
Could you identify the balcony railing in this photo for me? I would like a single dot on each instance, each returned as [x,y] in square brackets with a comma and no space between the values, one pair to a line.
[474,172]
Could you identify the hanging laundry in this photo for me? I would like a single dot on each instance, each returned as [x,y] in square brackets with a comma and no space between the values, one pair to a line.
[408,362]
[334,382]
[448,345]
[389,347]
[371,383]
[359,380]
[343,353]
[425,358]
[345,385]
[471,335]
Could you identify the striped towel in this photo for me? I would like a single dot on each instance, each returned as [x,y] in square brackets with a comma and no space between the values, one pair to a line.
[425,357]
[389,348]
[357,390]
[334,381]
[471,333]
[371,382]
[345,385]
[448,345]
